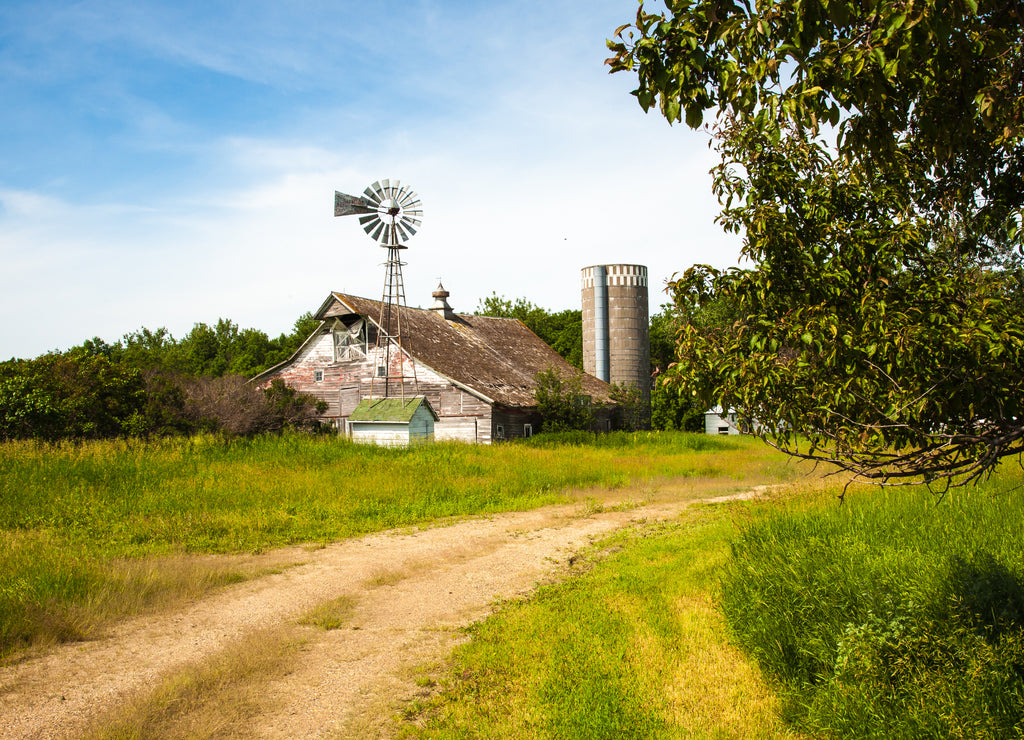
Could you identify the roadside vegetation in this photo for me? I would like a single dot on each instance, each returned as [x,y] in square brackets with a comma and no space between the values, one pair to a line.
[635,647]
[80,522]
[896,614]
[892,614]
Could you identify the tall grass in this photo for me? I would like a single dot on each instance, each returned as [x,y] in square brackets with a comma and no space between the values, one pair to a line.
[895,615]
[70,513]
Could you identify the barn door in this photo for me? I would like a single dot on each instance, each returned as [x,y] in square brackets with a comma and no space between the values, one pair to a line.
[348,399]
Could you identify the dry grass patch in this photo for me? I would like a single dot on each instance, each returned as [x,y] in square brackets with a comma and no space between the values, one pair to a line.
[214,699]
[331,615]
[713,690]
[386,577]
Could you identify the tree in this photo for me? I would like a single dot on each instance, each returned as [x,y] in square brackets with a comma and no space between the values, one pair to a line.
[871,158]
[561,402]
[69,396]
[673,406]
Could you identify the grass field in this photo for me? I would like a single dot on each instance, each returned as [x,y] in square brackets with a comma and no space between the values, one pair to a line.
[895,614]
[95,531]
[635,648]
[898,614]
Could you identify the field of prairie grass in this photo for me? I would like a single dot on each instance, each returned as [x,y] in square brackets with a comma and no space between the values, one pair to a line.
[895,614]
[93,532]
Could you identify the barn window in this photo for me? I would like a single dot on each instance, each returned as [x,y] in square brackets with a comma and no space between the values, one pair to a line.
[499,432]
[723,430]
[349,339]
[318,376]
[527,430]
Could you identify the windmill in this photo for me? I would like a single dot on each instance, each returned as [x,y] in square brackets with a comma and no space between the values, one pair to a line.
[390,213]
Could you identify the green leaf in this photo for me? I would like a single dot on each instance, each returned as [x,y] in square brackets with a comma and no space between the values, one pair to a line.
[694,115]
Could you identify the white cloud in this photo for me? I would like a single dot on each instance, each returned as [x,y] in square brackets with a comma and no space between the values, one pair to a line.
[532,163]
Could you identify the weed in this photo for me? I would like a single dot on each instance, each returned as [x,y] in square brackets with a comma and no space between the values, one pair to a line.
[331,615]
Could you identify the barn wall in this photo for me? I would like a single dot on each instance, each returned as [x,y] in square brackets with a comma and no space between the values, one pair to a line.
[463,416]
[513,422]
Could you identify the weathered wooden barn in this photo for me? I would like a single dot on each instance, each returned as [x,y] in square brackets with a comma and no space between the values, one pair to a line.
[476,372]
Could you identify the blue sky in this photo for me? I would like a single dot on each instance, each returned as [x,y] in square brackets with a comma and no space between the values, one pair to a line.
[163,164]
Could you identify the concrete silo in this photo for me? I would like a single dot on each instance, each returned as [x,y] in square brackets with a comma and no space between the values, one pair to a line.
[616,339]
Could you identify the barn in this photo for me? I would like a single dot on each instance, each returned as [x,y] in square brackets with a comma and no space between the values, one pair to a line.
[477,373]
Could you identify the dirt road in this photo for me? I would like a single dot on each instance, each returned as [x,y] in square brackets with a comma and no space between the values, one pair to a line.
[410,593]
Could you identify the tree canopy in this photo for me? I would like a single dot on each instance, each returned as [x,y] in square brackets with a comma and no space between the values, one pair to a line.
[148,383]
[871,159]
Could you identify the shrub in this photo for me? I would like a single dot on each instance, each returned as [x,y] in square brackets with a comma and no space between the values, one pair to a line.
[561,402]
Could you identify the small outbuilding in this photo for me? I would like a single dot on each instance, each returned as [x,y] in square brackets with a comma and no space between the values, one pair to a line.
[721,421]
[393,422]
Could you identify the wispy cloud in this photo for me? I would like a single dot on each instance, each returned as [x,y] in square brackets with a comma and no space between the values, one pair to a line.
[185,170]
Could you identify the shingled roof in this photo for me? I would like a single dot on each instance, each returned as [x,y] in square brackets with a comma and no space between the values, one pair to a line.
[495,358]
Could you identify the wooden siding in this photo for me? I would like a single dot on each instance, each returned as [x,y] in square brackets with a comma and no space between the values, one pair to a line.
[463,416]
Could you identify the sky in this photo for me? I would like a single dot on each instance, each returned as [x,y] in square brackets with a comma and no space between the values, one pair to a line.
[169,163]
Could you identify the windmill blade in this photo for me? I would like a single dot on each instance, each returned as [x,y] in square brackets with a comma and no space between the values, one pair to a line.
[371,224]
[389,212]
[409,200]
[348,205]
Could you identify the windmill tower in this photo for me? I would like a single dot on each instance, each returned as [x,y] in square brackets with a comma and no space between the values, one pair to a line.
[390,213]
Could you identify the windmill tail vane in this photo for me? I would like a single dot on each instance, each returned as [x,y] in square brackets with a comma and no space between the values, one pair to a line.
[388,211]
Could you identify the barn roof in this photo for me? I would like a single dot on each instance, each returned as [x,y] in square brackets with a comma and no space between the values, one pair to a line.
[496,359]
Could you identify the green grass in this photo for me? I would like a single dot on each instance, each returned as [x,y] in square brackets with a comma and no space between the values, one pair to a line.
[71,515]
[632,647]
[896,615]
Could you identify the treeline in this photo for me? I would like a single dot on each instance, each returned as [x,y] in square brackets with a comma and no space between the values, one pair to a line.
[148,383]
[563,331]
